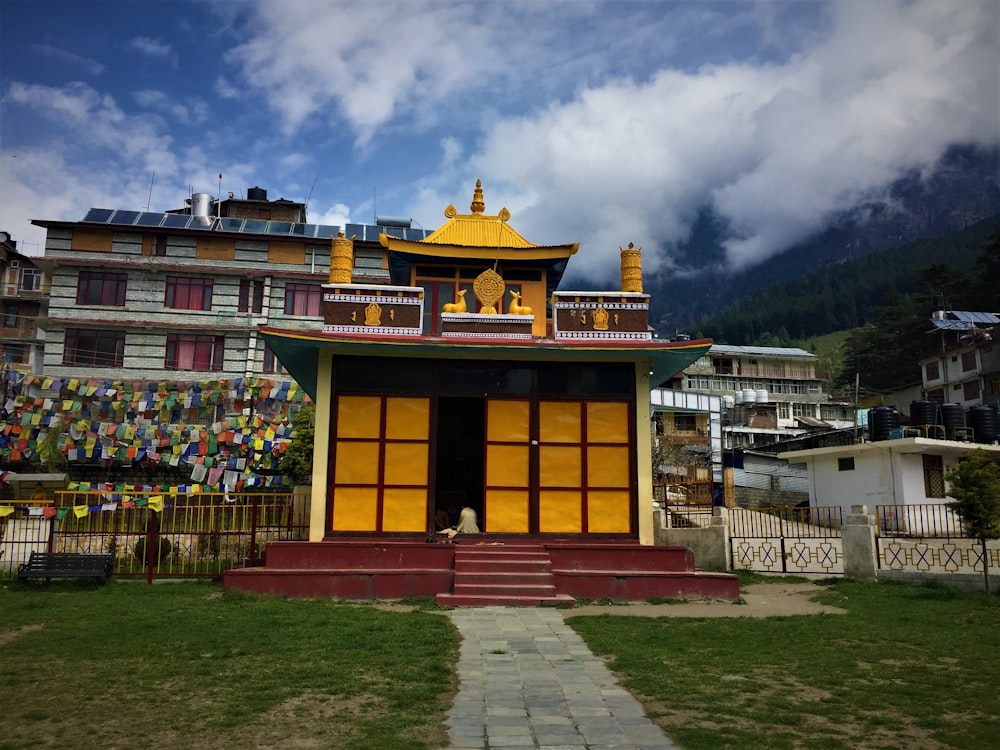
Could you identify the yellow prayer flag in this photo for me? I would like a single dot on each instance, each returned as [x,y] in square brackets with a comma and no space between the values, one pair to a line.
[156,503]
[6,510]
[80,510]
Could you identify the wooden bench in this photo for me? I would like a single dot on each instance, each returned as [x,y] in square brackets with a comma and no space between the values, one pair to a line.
[49,565]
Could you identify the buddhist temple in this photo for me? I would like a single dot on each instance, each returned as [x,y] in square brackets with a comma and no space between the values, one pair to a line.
[472,381]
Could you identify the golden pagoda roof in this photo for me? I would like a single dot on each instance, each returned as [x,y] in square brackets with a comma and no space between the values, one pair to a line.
[476,235]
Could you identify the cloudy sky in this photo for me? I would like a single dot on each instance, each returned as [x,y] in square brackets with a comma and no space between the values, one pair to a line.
[592,122]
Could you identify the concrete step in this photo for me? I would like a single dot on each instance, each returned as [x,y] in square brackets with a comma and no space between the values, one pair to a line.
[495,600]
[504,589]
[504,577]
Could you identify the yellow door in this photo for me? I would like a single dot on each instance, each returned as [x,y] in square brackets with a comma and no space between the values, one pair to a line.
[508,478]
[380,467]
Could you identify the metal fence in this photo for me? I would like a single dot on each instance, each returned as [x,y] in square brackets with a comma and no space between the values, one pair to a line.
[787,540]
[928,538]
[157,535]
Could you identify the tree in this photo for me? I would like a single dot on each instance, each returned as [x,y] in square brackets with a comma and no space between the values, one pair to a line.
[298,459]
[975,486]
[50,454]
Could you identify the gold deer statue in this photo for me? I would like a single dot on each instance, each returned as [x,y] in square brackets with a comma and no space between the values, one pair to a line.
[456,307]
[516,308]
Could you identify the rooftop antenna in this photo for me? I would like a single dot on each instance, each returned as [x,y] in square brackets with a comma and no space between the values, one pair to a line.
[310,195]
[149,200]
[218,202]
[374,205]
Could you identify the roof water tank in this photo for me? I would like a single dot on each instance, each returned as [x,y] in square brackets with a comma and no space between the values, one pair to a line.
[728,402]
[882,420]
[953,419]
[201,204]
[985,424]
[761,396]
[256,194]
[749,395]
[738,398]
[924,412]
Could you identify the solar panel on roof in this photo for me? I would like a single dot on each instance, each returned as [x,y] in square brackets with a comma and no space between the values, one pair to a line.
[327,230]
[975,317]
[100,215]
[230,225]
[279,227]
[176,221]
[124,217]
[306,230]
[254,226]
[149,219]
[355,230]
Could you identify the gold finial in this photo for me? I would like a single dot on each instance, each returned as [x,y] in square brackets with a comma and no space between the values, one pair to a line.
[478,206]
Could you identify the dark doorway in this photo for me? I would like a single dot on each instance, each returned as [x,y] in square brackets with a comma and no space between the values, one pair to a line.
[461,457]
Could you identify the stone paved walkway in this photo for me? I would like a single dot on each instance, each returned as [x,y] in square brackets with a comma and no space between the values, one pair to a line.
[528,680]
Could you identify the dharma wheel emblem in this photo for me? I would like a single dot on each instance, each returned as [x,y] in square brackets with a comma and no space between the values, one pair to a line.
[489,289]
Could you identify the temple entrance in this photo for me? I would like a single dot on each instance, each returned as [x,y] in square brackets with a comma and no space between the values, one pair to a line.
[458,470]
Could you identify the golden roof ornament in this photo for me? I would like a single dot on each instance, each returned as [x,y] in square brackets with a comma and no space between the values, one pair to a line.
[478,206]
[631,266]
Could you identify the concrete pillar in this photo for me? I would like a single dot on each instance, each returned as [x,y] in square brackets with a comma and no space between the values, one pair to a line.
[858,537]
[709,544]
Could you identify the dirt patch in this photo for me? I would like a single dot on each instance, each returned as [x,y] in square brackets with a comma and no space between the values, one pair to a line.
[6,636]
[759,600]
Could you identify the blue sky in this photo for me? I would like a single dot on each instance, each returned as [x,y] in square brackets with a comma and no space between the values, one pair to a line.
[592,122]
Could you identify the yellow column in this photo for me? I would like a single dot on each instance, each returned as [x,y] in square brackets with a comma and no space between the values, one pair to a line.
[644,454]
[321,447]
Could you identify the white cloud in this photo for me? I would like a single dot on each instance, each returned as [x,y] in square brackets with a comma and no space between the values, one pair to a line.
[775,148]
[335,215]
[86,64]
[190,111]
[150,47]
[225,89]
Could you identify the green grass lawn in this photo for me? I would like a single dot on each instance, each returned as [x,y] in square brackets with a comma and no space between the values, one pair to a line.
[907,667]
[183,666]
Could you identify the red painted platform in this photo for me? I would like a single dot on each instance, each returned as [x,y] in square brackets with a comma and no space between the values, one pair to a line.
[481,571]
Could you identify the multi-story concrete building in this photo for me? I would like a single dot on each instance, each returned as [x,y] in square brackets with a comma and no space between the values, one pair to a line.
[768,393]
[180,295]
[964,364]
[24,292]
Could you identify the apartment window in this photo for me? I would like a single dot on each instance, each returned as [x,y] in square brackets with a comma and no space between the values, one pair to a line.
[803,410]
[100,348]
[188,293]
[159,245]
[194,352]
[969,361]
[15,354]
[271,363]
[100,288]
[970,390]
[783,411]
[303,299]
[845,464]
[685,423]
[931,371]
[10,314]
[251,295]
[933,476]
[31,279]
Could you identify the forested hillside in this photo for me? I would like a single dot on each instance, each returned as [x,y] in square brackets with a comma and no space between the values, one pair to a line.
[848,295]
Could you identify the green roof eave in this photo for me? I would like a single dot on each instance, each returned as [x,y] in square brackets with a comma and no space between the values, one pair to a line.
[299,351]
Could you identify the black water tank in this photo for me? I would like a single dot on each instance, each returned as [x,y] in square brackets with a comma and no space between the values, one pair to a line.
[882,420]
[953,419]
[924,413]
[985,423]
[256,194]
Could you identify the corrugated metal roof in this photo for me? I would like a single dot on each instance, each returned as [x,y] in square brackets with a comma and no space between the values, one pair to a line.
[763,351]
[975,317]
